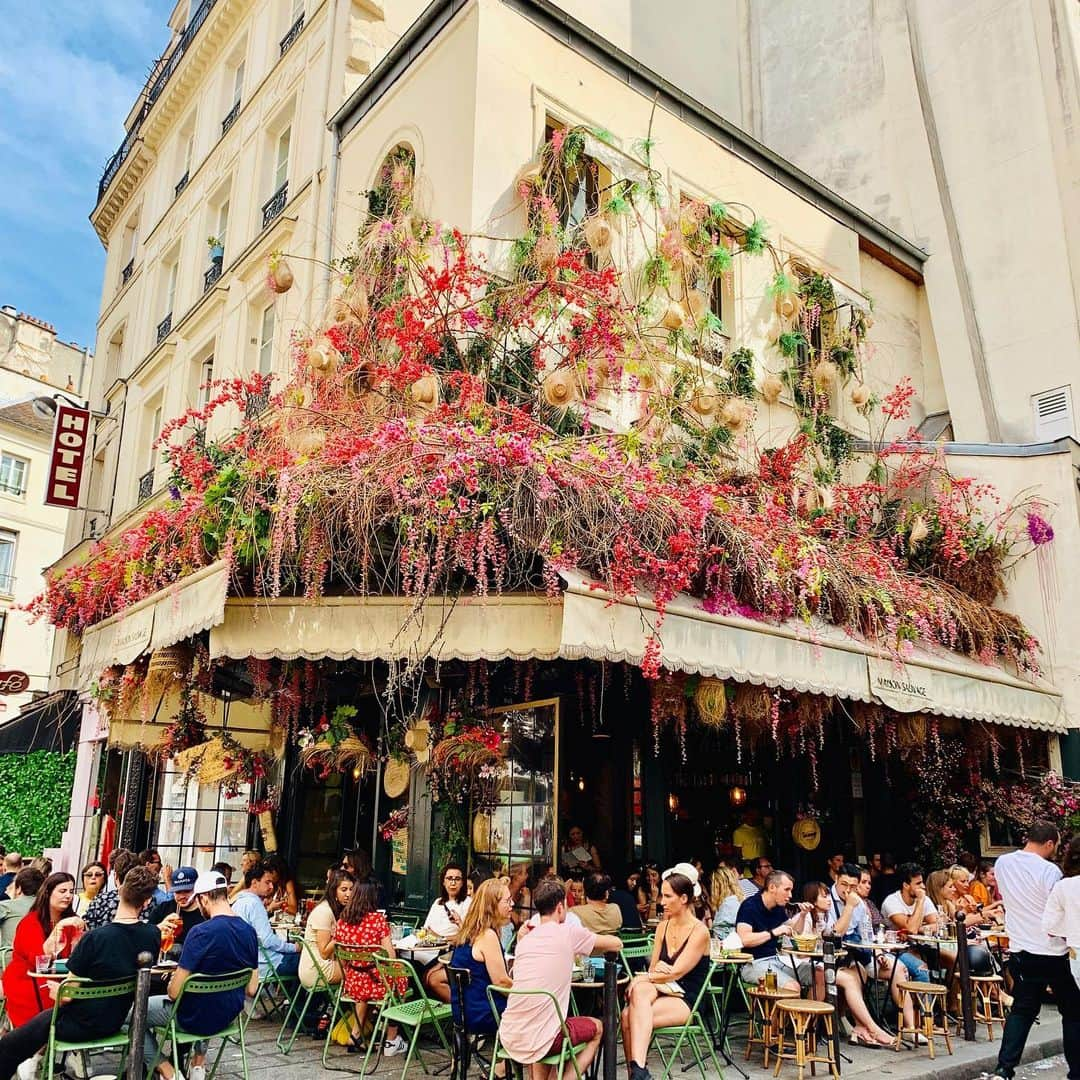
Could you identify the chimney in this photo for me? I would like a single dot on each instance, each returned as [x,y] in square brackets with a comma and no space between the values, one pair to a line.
[8,309]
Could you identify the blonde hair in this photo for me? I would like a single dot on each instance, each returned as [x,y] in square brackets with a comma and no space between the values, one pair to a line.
[935,887]
[483,913]
[724,883]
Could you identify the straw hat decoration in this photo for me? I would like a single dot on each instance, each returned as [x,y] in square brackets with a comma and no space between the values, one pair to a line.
[396,777]
[418,740]
[710,700]
[425,393]
[168,665]
[280,277]
[559,388]
[772,386]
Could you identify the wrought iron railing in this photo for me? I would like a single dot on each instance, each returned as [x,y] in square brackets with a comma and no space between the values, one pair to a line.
[7,584]
[212,275]
[181,183]
[90,528]
[275,204]
[153,92]
[13,489]
[256,404]
[146,485]
[292,35]
[125,274]
[164,327]
[230,118]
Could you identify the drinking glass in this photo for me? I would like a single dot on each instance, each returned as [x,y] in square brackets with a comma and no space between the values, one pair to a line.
[397,932]
[41,964]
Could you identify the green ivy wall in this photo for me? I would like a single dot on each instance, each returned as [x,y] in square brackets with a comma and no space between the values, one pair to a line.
[35,797]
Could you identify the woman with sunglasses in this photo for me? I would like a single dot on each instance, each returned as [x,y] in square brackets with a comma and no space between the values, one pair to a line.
[93,881]
[647,892]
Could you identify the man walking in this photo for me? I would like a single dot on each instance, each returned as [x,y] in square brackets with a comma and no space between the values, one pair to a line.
[1025,878]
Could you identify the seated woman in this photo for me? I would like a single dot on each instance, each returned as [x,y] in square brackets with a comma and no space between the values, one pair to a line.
[941,888]
[520,894]
[362,927]
[578,853]
[50,928]
[865,1032]
[680,955]
[477,948]
[448,912]
[93,881]
[647,892]
[976,911]
[726,897]
[320,930]
[286,892]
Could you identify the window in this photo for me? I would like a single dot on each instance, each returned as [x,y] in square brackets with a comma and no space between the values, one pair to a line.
[13,472]
[172,271]
[281,160]
[114,355]
[128,245]
[296,11]
[393,186]
[238,84]
[153,412]
[1052,411]
[266,341]
[575,187]
[186,153]
[8,542]
[206,376]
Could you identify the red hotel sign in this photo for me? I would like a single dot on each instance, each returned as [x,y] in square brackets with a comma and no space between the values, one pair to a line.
[68,455]
[14,682]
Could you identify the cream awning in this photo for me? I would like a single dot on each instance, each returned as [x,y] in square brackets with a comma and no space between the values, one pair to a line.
[188,607]
[813,657]
[390,628]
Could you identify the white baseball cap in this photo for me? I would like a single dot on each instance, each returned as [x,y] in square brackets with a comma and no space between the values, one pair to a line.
[209,881]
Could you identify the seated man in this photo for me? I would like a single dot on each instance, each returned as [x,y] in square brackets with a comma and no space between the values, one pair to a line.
[13,863]
[761,922]
[910,909]
[152,861]
[259,886]
[759,868]
[25,887]
[110,952]
[544,960]
[182,903]
[222,943]
[103,907]
[598,914]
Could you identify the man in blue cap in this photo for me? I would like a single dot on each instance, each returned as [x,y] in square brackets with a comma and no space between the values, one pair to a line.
[182,904]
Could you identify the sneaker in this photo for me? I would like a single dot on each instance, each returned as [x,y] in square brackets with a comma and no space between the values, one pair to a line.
[197,1072]
[76,1066]
[639,1072]
[29,1068]
[393,1047]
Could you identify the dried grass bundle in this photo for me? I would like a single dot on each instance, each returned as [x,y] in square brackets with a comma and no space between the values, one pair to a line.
[348,755]
[710,700]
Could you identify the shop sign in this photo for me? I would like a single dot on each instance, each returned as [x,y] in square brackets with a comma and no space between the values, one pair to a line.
[70,433]
[14,682]
[900,687]
[806,832]
[399,852]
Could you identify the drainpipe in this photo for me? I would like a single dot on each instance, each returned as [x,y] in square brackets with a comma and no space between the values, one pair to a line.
[325,255]
[82,369]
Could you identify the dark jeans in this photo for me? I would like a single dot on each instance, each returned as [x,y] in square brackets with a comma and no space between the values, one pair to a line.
[24,1042]
[1032,973]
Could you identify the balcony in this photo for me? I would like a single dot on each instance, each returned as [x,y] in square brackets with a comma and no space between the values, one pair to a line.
[212,275]
[164,327]
[7,584]
[125,274]
[276,203]
[292,35]
[181,184]
[230,119]
[13,489]
[256,405]
[146,485]
[153,92]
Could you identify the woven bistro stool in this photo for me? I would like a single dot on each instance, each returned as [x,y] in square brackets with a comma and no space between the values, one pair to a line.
[926,1000]
[760,1030]
[802,1017]
[989,1009]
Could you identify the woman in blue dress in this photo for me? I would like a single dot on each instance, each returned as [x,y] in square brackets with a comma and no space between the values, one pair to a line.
[477,948]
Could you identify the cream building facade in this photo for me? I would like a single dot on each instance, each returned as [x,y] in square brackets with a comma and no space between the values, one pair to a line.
[266,125]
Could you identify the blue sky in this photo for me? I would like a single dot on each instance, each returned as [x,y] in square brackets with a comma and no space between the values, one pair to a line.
[69,72]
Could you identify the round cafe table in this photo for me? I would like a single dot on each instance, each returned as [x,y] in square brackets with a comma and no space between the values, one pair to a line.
[880,948]
[595,987]
[727,965]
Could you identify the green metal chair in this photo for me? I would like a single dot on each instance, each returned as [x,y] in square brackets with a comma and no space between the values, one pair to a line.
[341,1004]
[232,1032]
[640,949]
[322,986]
[567,1052]
[411,1010]
[688,1034]
[275,990]
[74,989]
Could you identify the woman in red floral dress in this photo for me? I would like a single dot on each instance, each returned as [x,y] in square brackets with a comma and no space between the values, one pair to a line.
[361,926]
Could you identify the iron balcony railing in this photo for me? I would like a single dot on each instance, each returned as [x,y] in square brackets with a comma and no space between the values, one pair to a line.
[256,404]
[212,275]
[230,118]
[13,489]
[153,92]
[293,34]
[164,327]
[125,274]
[275,204]
[146,485]
[181,184]
[7,584]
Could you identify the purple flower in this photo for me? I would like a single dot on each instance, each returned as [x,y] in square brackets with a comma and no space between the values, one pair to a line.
[1039,530]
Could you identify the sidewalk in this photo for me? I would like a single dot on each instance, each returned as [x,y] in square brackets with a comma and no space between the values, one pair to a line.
[967,1061]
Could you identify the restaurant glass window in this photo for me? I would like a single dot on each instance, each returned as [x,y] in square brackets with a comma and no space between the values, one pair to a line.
[515,822]
[199,825]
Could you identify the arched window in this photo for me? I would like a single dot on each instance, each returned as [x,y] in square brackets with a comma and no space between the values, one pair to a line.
[394,183]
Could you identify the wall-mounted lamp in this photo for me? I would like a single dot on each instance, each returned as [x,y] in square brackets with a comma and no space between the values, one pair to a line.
[673,802]
[581,783]
[737,795]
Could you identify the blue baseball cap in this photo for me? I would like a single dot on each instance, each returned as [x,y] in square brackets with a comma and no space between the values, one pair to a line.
[184,878]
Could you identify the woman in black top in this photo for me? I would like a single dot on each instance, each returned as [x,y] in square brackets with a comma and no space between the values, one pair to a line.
[664,995]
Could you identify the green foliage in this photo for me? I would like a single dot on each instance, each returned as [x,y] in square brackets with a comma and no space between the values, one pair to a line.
[754,239]
[790,342]
[817,289]
[717,215]
[740,365]
[718,261]
[833,439]
[573,147]
[781,284]
[37,798]
[657,271]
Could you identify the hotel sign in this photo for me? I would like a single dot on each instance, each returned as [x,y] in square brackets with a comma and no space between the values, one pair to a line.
[70,434]
[905,689]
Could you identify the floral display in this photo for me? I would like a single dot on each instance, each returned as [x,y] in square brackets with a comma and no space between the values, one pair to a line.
[398,820]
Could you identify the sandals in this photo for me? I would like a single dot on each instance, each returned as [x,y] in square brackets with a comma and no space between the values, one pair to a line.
[856,1039]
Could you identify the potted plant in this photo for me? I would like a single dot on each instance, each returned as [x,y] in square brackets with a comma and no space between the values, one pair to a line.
[217,248]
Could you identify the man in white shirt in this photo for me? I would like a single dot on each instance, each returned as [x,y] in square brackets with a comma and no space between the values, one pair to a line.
[1025,878]
[910,909]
